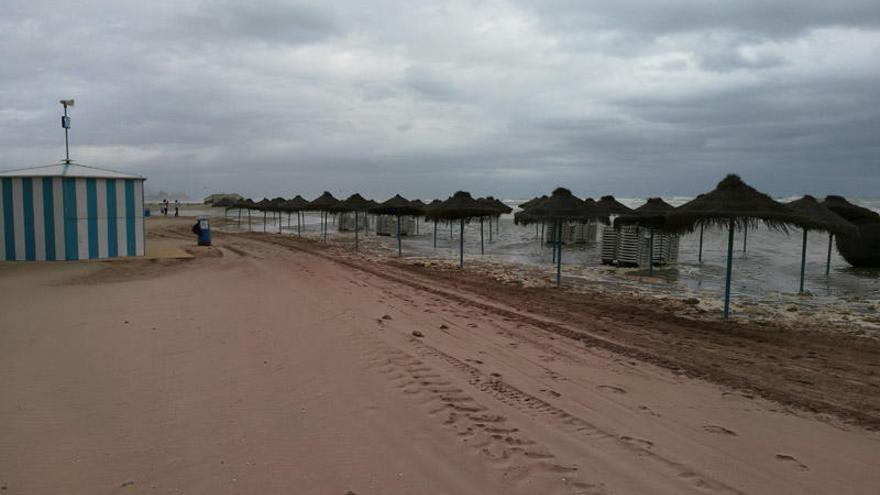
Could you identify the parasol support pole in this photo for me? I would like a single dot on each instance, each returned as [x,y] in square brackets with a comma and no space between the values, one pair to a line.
[399,247]
[542,235]
[355,230]
[828,261]
[460,244]
[482,248]
[700,253]
[490,229]
[249,219]
[558,253]
[745,237]
[729,269]
[651,254]
[803,261]
[435,234]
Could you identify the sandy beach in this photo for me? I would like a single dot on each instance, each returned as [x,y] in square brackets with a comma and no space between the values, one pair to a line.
[270,364]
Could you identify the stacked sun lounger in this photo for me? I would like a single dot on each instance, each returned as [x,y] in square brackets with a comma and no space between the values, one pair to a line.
[387,225]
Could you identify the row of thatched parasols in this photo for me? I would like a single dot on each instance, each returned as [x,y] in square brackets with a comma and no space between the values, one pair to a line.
[733,205]
[459,207]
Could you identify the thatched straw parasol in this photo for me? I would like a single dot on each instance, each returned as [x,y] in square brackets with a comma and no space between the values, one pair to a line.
[356,204]
[652,215]
[823,219]
[245,204]
[735,205]
[263,205]
[296,205]
[397,206]
[421,206]
[460,206]
[861,249]
[562,206]
[322,204]
[532,202]
[613,206]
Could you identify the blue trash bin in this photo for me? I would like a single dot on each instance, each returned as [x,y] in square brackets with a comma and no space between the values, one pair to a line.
[204,232]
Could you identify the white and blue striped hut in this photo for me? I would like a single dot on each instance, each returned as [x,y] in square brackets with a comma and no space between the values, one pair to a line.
[69,211]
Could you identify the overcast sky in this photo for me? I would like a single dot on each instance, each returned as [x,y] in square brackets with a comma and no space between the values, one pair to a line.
[509,98]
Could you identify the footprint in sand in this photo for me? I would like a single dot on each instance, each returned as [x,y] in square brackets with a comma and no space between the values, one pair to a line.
[639,442]
[793,460]
[614,388]
[720,430]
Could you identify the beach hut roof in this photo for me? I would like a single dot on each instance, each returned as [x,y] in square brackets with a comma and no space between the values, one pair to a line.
[854,214]
[613,206]
[460,205]
[355,202]
[322,203]
[732,200]
[71,169]
[651,214]
[821,217]
[561,205]
[398,205]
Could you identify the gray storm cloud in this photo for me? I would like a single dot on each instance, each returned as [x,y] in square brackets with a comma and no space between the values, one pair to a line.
[509,98]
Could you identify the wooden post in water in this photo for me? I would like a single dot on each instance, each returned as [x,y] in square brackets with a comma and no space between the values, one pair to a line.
[460,244]
[482,249]
[803,261]
[700,255]
[399,247]
[558,252]
[729,268]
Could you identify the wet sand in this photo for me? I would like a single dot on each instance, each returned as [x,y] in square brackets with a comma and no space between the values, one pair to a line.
[269,364]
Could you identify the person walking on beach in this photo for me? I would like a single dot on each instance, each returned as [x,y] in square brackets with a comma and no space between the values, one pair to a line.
[176,207]
[165,207]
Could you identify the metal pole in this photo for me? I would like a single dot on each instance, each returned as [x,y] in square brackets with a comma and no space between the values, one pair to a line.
[490,229]
[542,235]
[803,261]
[399,248]
[355,230]
[745,237]
[435,234]
[558,253]
[700,255]
[729,269]
[66,145]
[651,254]
[828,262]
[249,219]
[264,221]
[482,249]
[460,244]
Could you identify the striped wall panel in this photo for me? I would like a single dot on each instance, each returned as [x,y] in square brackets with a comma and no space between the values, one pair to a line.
[55,218]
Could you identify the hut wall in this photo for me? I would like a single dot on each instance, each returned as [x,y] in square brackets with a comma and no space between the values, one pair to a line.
[387,225]
[346,222]
[70,218]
